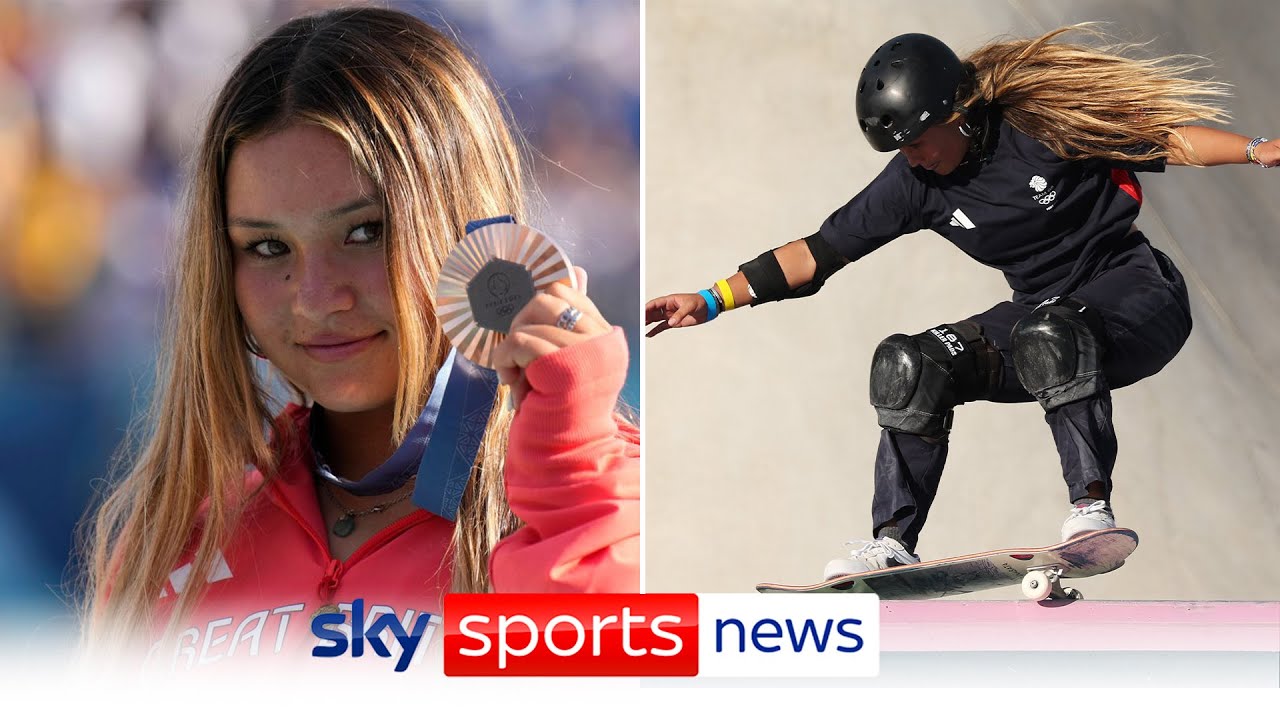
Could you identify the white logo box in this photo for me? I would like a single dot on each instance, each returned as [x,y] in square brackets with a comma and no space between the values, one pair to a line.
[788,635]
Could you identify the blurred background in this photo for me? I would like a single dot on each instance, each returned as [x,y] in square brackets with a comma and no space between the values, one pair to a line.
[101,101]
[759,462]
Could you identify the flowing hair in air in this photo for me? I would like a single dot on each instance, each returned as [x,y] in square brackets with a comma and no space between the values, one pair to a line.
[1095,102]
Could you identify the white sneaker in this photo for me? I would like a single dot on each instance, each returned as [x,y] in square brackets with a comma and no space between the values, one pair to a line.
[871,555]
[1087,518]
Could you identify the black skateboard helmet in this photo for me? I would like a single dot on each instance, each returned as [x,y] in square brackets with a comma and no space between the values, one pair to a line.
[907,86]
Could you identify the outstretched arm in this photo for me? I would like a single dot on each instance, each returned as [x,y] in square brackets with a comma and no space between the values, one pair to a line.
[1211,146]
[799,268]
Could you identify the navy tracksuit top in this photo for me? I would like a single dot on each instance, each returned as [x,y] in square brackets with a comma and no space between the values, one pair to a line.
[1049,224]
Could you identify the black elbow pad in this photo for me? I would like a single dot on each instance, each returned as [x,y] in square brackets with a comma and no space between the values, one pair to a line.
[765,276]
[769,283]
[827,259]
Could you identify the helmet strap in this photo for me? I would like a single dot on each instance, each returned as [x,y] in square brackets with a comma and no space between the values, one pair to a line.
[976,126]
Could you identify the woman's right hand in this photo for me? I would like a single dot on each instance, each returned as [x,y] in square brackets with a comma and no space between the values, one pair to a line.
[675,311]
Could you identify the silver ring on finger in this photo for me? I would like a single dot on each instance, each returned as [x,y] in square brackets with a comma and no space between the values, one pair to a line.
[569,318]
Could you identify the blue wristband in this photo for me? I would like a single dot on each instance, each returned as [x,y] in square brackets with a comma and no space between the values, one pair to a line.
[713,309]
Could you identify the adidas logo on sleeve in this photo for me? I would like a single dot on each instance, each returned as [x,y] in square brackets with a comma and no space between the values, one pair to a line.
[959,219]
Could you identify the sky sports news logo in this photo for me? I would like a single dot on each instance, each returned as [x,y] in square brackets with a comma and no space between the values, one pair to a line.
[670,635]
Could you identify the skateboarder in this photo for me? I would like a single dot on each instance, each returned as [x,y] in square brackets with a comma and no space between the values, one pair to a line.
[1023,156]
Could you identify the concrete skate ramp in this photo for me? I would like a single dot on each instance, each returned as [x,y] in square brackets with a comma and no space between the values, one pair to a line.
[759,438]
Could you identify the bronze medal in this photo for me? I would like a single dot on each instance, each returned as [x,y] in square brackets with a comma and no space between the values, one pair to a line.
[493,273]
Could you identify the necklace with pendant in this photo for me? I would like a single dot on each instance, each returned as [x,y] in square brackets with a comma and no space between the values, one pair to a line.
[346,524]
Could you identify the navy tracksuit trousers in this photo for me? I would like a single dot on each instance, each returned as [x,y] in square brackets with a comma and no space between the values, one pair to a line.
[1144,306]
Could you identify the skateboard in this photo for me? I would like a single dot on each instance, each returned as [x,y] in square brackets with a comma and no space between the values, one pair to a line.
[1040,570]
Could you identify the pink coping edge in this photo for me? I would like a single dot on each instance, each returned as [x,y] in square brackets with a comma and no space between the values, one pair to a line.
[941,625]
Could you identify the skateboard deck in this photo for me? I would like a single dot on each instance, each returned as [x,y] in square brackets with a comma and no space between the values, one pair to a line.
[1038,569]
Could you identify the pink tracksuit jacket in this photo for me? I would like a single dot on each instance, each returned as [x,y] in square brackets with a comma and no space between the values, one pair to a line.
[572,476]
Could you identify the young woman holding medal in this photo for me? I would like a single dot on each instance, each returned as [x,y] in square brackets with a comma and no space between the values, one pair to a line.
[326,195]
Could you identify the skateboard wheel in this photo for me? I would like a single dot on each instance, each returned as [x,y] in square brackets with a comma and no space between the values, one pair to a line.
[1036,585]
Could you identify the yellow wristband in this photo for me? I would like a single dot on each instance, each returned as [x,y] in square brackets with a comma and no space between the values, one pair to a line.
[726,293]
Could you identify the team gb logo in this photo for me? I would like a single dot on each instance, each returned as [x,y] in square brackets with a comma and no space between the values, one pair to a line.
[1038,183]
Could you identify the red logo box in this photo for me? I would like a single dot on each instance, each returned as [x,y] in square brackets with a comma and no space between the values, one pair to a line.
[571,635]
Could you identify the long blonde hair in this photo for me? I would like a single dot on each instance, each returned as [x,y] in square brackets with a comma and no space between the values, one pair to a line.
[421,121]
[1094,102]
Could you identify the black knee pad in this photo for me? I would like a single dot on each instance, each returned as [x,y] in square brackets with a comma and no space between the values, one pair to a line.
[916,380]
[1057,353]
